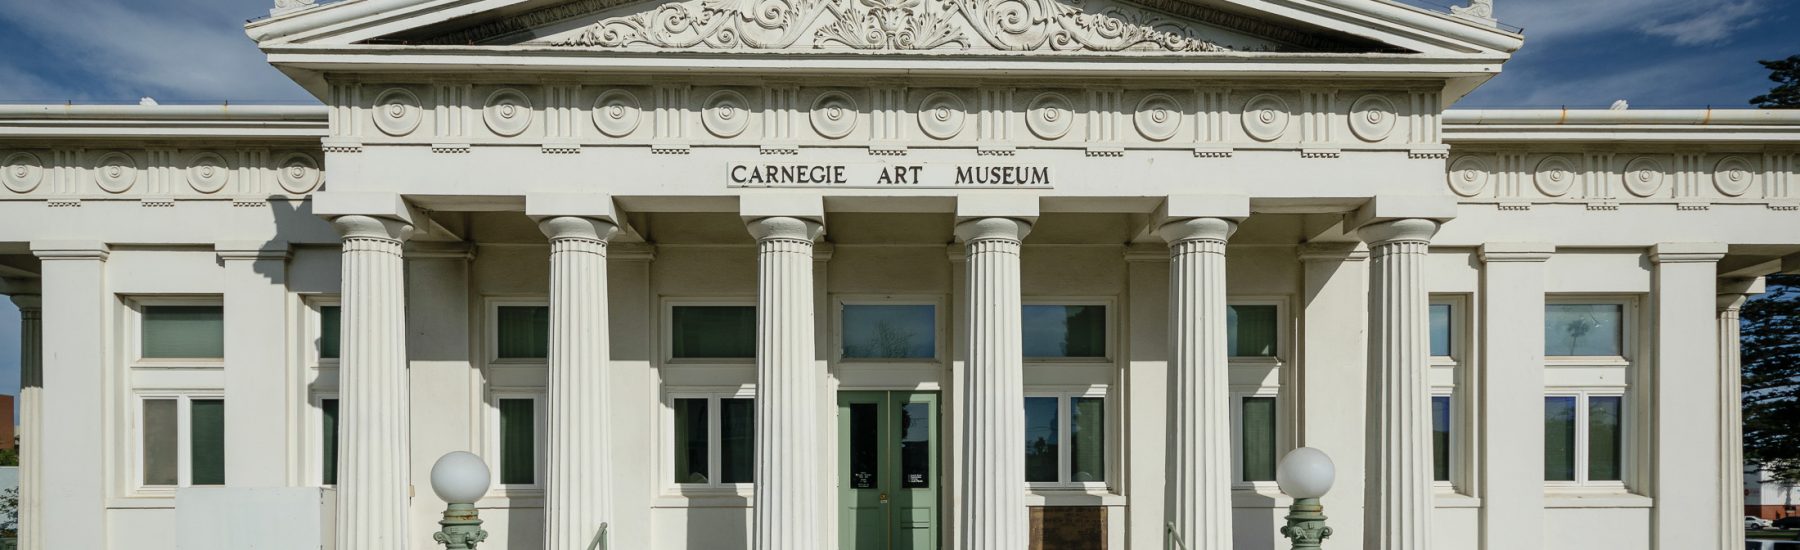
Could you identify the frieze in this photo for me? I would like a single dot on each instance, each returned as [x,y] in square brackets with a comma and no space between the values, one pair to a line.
[917,175]
[157,173]
[1603,180]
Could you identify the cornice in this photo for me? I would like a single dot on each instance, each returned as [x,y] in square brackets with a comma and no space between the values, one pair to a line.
[300,123]
[1496,252]
[252,250]
[1676,253]
[71,250]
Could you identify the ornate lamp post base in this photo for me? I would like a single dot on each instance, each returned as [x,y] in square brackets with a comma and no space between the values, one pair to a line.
[462,528]
[1306,524]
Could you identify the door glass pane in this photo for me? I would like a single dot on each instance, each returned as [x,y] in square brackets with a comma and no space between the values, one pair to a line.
[328,411]
[207,442]
[1087,443]
[1440,438]
[1440,330]
[915,446]
[162,443]
[865,445]
[890,332]
[518,441]
[1259,439]
[1583,329]
[1250,331]
[714,332]
[330,331]
[737,440]
[184,332]
[1559,439]
[1041,437]
[524,332]
[1605,444]
[690,441]
[1065,331]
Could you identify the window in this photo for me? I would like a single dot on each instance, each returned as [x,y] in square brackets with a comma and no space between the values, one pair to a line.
[328,441]
[1256,437]
[1449,326]
[713,332]
[1441,453]
[523,332]
[1583,330]
[1442,327]
[183,332]
[1251,330]
[1584,438]
[889,331]
[714,440]
[182,441]
[331,331]
[1065,439]
[1064,331]
[516,421]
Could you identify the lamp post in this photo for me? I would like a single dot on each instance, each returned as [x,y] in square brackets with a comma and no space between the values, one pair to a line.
[460,478]
[1305,474]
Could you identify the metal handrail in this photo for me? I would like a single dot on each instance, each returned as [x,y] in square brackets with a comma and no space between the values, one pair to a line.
[1172,538]
[599,539]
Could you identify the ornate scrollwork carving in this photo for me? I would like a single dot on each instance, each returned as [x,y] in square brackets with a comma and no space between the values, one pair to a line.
[1555,176]
[616,113]
[1158,117]
[1733,176]
[941,115]
[834,114]
[508,112]
[1643,176]
[1372,118]
[1468,176]
[298,173]
[889,25]
[726,114]
[115,172]
[1265,117]
[22,173]
[397,112]
[208,173]
[1050,115]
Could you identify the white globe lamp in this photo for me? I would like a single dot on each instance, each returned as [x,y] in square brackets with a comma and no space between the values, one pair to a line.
[1306,475]
[460,478]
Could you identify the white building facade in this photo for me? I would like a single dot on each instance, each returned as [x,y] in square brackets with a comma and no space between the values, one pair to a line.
[961,274]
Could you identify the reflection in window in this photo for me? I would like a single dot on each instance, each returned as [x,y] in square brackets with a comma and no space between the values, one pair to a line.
[1440,438]
[915,445]
[330,331]
[162,447]
[865,446]
[1087,443]
[1559,438]
[518,441]
[1440,330]
[1583,329]
[183,332]
[713,332]
[1258,450]
[1064,331]
[1041,437]
[1250,330]
[524,332]
[690,441]
[328,439]
[737,438]
[1605,438]
[889,331]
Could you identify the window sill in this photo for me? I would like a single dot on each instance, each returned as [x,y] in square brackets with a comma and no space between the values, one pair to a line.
[1259,497]
[1447,499]
[1609,499]
[1073,497]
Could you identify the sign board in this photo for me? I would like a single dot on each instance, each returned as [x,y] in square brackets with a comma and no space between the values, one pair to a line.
[918,175]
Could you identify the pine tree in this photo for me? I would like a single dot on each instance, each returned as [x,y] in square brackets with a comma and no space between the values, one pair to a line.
[1785,73]
[1771,338]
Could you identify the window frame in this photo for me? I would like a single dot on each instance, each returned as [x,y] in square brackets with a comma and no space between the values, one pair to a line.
[940,328]
[1455,443]
[1582,428]
[491,444]
[1237,438]
[1453,376]
[134,332]
[490,340]
[183,439]
[1584,376]
[1263,376]
[1066,437]
[1111,338]
[667,327]
[1628,328]
[714,441]
[315,435]
[1284,333]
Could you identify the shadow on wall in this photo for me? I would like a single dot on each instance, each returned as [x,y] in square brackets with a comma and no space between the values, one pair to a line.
[723,528]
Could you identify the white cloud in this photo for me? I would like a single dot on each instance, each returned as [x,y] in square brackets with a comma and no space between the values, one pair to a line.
[1689,22]
[1710,26]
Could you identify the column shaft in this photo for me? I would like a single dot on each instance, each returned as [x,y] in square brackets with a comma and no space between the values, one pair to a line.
[1511,479]
[993,422]
[31,418]
[1399,499]
[1199,468]
[373,480]
[1731,416]
[579,476]
[787,387]
[1685,398]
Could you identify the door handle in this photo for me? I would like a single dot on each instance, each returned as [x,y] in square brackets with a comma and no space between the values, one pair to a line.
[884,498]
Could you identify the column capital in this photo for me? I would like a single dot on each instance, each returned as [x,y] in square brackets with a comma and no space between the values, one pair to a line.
[334,205]
[1734,292]
[352,226]
[251,250]
[1516,252]
[28,302]
[543,206]
[1389,208]
[785,228]
[1178,230]
[1419,230]
[71,250]
[982,229]
[20,287]
[578,227]
[1681,253]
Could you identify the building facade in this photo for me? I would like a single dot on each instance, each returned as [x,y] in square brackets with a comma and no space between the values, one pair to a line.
[959,274]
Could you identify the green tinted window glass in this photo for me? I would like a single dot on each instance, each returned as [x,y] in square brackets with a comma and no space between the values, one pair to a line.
[1440,330]
[1559,438]
[1440,438]
[1584,329]
[1087,441]
[890,331]
[524,332]
[1250,331]
[690,441]
[331,330]
[162,442]
[518,442]
[1259,439]
[328,412]
[737,441]
[1605,438]
[714,332]
[184,332]
[1064,331]
[1041,438]
[207,441]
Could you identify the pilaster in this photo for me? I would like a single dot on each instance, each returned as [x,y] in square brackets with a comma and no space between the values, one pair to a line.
[1334,373]
[374,435]
[1399,498]
[1511,479]
[788,514]
[1685,397]
[256,363]
[26,295]
[993,514]
[1731,297]
[1199,475]
[71,441]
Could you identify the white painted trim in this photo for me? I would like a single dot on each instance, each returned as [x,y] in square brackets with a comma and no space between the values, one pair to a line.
[1065,436]
[666,464]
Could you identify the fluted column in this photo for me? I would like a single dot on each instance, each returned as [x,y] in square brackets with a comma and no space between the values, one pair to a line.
[993,387]
[372,385]
[1732,295]
[788,508]
[1399,500]
[31,415]
[1199,468]
[578,475]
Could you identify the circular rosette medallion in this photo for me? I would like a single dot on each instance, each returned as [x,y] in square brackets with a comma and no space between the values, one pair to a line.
[299,173]
[834,115]
[397,112]
[727,114]
[1643,176]
[508,112]
[1468,176]
[1733,176]
[1158,117]
[941,115]
[1372,118]
[1050,115]
[115,172]
[616,113]
[208,173]
[22,172]
[1265,117]
[1555,176]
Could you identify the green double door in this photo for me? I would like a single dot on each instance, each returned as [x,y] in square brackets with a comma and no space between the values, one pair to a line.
[888,470]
